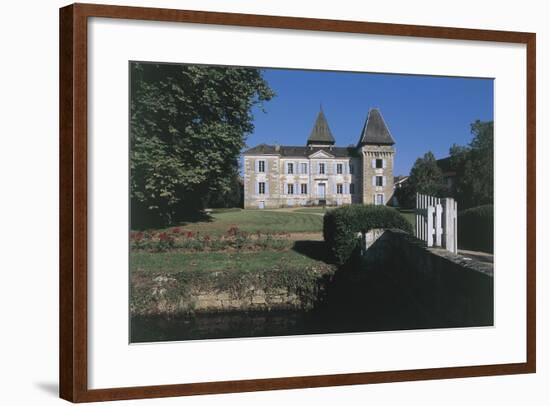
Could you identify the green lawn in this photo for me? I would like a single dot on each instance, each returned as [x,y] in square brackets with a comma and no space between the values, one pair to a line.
[257,220]
[171,262]
[409,215]
[312,210]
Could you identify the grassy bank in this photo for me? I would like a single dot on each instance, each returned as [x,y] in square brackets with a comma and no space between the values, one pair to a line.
[191,262]
[173,283]
[229,260]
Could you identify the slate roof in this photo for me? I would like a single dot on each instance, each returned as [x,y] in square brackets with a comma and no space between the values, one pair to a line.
[375,130]
[321,134]
[300,152]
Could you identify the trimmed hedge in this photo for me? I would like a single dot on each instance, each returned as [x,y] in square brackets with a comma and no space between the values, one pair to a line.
[475,228]
[341,225]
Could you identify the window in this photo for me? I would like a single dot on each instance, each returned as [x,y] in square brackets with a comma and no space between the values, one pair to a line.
[290,168]
[339,168]
[261,188]
[322,169]
[303,188]
[339,188]
[379,181]
[351,169]
[352,188]
[379,163]
[379,199]
[290,189]
[261,166]
[304,168]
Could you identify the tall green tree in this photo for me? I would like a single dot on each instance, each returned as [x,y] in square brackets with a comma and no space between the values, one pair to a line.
[188,124]
[425,177]
[473,165]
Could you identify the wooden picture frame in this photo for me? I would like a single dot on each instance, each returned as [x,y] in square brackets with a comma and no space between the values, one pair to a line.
[74,201]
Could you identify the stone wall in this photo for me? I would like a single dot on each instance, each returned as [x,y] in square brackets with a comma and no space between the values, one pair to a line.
[398,284]
[166,295]
[455,289]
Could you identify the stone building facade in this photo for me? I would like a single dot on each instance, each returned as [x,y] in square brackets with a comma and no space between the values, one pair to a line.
[321,173]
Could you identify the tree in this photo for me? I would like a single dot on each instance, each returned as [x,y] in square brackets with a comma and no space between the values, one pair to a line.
[188,124]
[473,165]
[425,177]
[230,196]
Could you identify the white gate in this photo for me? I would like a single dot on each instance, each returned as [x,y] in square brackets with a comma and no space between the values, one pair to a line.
[436,221]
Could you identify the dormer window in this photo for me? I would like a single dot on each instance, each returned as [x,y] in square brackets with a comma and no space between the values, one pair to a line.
[322,168]
[339,169]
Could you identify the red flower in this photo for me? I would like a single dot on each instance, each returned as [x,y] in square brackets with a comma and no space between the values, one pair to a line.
[176,230]
[189,234]
[164,237]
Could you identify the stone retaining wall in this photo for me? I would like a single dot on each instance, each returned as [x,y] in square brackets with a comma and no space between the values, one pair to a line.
[164,294]
[445,284]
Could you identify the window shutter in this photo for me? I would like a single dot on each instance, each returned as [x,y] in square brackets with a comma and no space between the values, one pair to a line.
[318,167]
[296,191]
[299,168]
[267,188]
[256,164]
[266,169]
[346,188]
[384,163]
[257,187]
[383,181]
[374,163]
[346,167]
[374,181]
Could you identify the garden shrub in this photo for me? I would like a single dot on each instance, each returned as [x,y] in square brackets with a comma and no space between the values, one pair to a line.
[475,228]
[341,226]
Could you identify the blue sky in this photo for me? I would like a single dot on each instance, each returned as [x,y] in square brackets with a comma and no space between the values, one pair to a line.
[422,112]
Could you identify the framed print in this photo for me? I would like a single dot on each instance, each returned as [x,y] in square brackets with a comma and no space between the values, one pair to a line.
[256,202]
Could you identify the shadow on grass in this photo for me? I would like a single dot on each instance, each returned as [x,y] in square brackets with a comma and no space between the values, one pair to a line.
[146,221]
[316,250]
[194,217]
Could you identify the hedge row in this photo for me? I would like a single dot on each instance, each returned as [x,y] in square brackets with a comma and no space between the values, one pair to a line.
[341,226]
[475,228]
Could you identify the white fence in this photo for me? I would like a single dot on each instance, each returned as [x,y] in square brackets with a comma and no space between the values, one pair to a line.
[436,221]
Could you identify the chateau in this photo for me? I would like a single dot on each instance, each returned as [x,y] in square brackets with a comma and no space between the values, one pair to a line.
[321,173]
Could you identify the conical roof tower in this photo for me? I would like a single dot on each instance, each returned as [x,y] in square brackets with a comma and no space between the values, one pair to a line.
[320,134]
[375,131]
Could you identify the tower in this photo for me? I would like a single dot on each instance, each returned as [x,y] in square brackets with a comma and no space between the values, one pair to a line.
[320,135]
[377,153]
